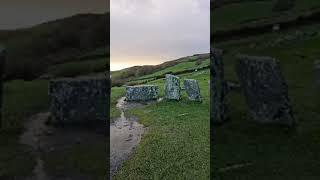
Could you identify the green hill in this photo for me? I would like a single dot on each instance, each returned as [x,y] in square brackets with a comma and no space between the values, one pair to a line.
[31,51]
[244,149]
[176,145]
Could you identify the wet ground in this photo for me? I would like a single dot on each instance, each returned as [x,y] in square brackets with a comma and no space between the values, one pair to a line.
[125,134]
[45,139]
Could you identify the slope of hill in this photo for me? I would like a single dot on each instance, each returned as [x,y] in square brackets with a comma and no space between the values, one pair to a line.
[138,73]
[63,48]
[32,50]
[253,14]
[176,144]
[245,149]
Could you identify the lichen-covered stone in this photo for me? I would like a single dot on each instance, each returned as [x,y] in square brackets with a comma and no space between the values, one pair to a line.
[193,90]
[265,89]
[142,92]
[218,88]
[82,100]
[317,72]
[3,56]
[172,87]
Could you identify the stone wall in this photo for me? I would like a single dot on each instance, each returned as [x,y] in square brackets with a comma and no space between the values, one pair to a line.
[82,100]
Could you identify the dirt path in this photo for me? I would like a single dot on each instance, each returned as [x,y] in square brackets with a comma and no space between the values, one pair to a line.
[31,138]
[125,134]
[45,139]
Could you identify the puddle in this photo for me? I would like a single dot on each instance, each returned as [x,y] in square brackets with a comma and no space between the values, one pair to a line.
[125,134]
[45,139]
[31,138]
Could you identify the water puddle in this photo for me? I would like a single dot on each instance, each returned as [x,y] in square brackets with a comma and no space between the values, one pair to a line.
[31,138]
[45,139]
[125,134]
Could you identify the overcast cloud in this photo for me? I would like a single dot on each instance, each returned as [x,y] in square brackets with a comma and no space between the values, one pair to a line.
[154,31]
[25,13]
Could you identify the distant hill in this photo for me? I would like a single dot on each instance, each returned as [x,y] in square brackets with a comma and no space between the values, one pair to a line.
[137,74]
[32,50]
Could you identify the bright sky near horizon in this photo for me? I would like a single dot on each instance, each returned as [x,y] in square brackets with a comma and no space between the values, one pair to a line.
[148,32]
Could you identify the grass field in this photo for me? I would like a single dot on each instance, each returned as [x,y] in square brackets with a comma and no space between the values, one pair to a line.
[247,13]
[270,152]
[176,145]
[20,102]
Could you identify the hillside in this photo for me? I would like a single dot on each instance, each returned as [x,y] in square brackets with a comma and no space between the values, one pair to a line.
[31,51]
[73,46]
[243,148]
[141,74]
[230,18]
[176,144]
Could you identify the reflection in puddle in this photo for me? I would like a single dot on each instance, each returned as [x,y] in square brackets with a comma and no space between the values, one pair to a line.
[125,135]
[31,138]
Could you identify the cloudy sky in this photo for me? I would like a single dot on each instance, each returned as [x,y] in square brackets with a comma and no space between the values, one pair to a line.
[153,31]
[24,13]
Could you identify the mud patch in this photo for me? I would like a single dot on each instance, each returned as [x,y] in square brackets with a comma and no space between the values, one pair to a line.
[46,139]
[125,134]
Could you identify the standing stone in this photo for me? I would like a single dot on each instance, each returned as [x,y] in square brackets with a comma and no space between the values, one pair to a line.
[317,72]
[172,87]
[217,87]
[192,89]
[3,55]
[80,100]
[265,89]
[142,92]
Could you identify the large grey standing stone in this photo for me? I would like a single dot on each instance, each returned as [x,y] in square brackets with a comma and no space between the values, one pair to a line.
[218,88]
[317,72]
[193,90]
[172,87]
[265,89]
[3,56]
[82,100]
[142,92]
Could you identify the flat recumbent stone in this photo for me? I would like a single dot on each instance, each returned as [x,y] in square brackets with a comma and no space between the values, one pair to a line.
[78,100]
[192,89]
[265,89]
[142,92]
[172,87]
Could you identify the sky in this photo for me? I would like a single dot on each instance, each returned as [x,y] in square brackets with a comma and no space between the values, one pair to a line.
[25,13]
[149,32]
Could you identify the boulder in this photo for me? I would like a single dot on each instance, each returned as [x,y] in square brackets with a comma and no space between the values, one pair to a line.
[218,88]
[81,100]
[192,89]
[265,89]
[317,72]
[172,87]
[142,92]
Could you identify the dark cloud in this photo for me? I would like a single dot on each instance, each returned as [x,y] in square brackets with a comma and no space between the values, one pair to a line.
[153,31]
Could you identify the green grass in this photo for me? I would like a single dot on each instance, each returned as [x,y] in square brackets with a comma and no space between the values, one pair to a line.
[273,152]
[87,160]
[179,67]
[72,69]
[242,14]
[176,145]
[20,101]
